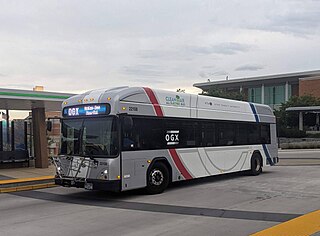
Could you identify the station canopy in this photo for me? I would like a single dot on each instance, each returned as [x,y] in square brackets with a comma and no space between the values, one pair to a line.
[15,99]
[314,109]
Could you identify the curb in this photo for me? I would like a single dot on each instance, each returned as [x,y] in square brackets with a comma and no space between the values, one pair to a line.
[25,188]
[299,150]
[14,185]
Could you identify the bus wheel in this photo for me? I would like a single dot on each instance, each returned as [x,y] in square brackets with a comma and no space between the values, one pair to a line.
[158,178]
[256,164]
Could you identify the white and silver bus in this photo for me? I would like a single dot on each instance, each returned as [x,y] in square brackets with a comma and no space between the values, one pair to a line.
[127,138]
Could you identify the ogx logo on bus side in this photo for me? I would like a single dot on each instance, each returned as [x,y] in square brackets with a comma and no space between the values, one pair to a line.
[172,137]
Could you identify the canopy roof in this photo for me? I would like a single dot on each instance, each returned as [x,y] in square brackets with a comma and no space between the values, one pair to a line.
[315,109]
[16,99]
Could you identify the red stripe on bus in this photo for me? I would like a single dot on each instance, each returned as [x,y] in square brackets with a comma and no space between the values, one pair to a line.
[179,164]
[173,152]
[154,101]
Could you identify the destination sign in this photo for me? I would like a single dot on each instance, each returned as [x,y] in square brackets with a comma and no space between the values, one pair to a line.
[86,110]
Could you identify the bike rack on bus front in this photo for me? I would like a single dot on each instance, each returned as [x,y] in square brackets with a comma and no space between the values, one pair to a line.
[74,166]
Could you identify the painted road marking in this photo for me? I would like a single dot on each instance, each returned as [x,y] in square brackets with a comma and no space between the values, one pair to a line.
[307,224]
[92,200]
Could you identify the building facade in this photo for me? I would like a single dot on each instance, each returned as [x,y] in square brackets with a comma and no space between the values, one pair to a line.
[271,89]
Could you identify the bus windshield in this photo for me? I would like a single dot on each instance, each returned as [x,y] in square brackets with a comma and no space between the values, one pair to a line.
[94,137]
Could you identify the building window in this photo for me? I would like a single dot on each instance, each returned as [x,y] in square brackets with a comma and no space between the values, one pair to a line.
[254,95]
[275,95]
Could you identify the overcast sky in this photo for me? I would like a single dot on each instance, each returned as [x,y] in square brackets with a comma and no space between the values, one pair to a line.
[74,46]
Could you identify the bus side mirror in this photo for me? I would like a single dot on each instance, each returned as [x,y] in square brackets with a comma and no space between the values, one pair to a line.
[49,125]
[127,123]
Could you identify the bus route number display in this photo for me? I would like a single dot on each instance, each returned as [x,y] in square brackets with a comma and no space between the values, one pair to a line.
[86,110]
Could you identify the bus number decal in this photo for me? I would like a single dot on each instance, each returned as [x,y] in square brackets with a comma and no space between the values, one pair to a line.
[133,108]
[172,137]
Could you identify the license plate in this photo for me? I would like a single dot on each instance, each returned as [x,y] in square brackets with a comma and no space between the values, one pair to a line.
[88,186]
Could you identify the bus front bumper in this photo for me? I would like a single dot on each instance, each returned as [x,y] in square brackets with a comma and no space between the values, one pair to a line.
[89,184]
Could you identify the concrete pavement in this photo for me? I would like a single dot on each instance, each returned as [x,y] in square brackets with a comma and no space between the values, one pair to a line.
[233,204]
[33,178]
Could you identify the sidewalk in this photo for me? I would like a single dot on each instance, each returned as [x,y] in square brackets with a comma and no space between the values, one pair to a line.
[28,178]
[299,157]
[299,150]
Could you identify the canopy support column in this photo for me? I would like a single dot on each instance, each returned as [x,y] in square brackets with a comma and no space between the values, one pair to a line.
[287,91]
[40,137]
[1,137]
[262,93]
[301,120]
[7,127]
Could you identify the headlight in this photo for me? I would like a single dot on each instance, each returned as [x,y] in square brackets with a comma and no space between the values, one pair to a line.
[104,174]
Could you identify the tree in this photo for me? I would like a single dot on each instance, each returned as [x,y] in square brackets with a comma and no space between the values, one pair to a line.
[223,93]
[181,90]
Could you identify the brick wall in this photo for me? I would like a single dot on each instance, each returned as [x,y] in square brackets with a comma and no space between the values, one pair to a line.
[295,90]
[309,86]
[54,134]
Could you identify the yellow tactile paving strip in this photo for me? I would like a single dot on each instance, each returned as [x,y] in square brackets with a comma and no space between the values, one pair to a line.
[25,186]
[307,224]
[28,187]
[22,180]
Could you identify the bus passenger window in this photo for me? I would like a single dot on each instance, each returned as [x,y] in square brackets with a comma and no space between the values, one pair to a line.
[265,134]
[226,134]
[145,134]
[254,133]
[208,135]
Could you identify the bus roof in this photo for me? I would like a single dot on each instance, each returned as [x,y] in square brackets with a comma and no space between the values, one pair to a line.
[154,102]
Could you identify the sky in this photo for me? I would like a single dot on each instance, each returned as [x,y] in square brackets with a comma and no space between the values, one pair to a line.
[79,45]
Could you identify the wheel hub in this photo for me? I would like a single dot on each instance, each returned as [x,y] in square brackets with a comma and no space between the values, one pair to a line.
[156,177]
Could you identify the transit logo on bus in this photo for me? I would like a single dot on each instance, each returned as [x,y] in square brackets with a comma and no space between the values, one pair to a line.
[73,111]
[175,101]
[172,137]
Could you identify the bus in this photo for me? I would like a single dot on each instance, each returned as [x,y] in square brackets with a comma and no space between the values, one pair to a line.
[135,137]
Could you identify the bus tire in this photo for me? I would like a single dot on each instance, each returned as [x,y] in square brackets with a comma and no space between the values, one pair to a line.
[256,164]
[157,178]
